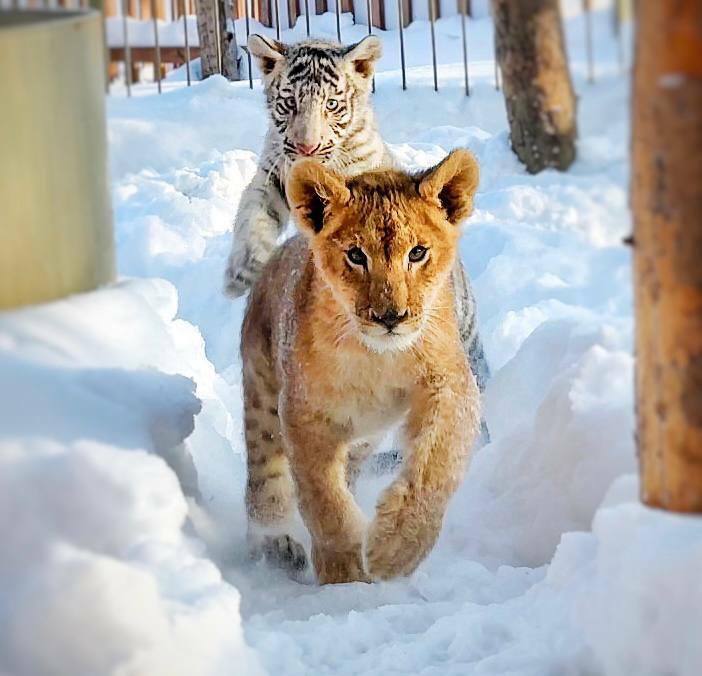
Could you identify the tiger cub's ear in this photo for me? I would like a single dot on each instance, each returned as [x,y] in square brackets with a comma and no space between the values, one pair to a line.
[363,55]
[268,52]
[311,189]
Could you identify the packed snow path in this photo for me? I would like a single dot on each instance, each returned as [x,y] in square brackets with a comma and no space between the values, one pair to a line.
[547,563]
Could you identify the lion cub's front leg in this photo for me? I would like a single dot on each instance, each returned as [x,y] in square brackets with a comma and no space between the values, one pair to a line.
[442,424]
[318,450]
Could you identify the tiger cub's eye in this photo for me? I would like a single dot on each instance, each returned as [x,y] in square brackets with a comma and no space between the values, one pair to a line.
[417,253]
[356,256]
[332,104]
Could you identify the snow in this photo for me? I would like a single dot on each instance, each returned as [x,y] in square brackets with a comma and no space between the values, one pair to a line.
[121,448]
[98,576]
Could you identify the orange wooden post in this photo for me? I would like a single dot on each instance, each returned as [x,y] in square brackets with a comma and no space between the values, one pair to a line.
[666,200]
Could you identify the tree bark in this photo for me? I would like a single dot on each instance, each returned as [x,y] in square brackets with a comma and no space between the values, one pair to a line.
[541,104]
[216,58]
[666,200]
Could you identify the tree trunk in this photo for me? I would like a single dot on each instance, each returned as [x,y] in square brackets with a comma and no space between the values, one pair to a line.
[214,57]
[536,82]
[666,199]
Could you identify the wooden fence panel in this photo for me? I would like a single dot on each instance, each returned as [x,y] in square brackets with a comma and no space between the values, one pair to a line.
[293,12]
[406,12]
[378,14]
[238,9]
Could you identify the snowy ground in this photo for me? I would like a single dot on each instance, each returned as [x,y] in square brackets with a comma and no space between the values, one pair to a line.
[547,563]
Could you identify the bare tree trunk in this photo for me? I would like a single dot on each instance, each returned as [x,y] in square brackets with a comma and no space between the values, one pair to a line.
[541,104]
[216,57]
[667,204]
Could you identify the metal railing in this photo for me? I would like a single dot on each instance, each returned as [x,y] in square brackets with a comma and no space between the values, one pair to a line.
[179,13]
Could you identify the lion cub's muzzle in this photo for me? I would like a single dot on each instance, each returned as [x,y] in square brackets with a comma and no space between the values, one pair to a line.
[389,319]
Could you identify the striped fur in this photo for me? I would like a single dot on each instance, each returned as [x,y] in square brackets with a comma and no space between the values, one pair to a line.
[300,80]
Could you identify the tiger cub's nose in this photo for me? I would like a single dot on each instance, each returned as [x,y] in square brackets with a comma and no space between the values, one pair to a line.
[389,319]
[306,149]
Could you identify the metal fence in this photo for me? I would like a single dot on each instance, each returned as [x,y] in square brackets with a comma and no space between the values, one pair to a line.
[127,42]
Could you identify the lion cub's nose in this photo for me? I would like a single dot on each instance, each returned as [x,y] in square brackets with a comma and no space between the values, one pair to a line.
[390,319]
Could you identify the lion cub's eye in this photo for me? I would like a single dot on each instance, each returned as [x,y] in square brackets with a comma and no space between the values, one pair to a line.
[332,104]
[417,253]
[356,256]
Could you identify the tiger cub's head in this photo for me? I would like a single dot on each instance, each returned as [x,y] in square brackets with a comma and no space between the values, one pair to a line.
[316,90]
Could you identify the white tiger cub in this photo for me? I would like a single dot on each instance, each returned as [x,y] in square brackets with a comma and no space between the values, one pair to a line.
[317,95]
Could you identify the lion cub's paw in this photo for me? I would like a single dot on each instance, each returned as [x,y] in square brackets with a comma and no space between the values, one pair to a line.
[283,552]
[403,532]
[337,567]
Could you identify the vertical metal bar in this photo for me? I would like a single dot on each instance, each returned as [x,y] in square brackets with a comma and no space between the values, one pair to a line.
[187,42]
[247,15]
[402,43]
[369,11]
[464,11]
[338,20]
[432,19]
[218,36]
[127,50]
[497,74]
[157,46]
[588,41]
[307,16]
[277,19]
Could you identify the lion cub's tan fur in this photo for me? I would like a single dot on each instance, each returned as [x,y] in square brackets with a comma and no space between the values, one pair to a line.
[324,377]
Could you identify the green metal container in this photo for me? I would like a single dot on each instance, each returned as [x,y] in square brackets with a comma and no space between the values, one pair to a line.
[55,216]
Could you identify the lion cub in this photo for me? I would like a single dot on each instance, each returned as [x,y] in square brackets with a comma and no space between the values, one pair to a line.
[350,329]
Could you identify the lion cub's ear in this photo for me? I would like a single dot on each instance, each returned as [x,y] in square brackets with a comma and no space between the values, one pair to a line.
[451,184]
[311,188]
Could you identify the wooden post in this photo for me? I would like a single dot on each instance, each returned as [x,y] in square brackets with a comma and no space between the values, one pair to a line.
[667,205]
[217,45]
[538,91]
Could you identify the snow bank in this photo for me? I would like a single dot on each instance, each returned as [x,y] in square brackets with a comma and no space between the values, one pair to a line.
[641,610]
[97,574]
